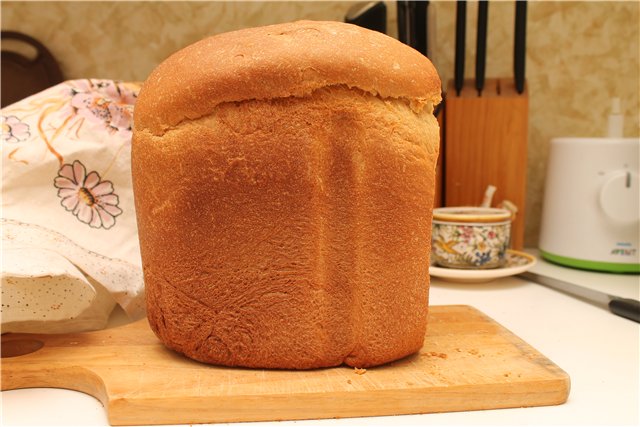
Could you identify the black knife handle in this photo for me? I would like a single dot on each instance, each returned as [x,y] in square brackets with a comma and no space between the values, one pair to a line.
[420,24]
[372,15]
[519,45]
[625,307]
[481,44]
[461,25]
[403,24]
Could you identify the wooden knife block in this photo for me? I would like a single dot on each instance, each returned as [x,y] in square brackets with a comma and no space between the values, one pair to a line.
[486,144]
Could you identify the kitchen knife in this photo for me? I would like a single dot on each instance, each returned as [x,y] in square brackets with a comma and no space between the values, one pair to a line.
[401,11]
[481,44]
[624,307]
[519,45]
[461,23]
[412,24]
[420,24]
[371,15]
[406,29]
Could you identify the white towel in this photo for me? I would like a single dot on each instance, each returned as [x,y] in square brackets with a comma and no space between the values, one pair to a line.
[69,236]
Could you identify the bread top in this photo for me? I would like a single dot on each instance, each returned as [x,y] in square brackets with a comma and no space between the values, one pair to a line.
[279,61]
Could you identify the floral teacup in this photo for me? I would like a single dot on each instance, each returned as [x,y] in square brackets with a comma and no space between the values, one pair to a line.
[470,237]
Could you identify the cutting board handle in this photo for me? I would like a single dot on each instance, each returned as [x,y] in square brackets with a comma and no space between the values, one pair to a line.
[33,353]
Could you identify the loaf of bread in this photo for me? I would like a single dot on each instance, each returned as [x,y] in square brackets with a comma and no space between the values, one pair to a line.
[284,181]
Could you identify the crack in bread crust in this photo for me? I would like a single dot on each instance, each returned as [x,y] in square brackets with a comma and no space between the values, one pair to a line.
[416,105]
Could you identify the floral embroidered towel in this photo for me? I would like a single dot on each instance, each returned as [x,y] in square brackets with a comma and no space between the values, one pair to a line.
[68,217]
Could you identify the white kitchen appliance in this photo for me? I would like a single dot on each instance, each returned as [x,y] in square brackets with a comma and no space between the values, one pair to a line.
[591,210]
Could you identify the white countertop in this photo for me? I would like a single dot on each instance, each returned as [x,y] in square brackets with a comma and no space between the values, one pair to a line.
[599,351]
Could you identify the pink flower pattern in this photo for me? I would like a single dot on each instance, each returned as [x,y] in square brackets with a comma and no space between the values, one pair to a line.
[14,130]
[104,102]
[90,199]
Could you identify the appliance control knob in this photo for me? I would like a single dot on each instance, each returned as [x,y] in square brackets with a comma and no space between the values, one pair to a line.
[620,197]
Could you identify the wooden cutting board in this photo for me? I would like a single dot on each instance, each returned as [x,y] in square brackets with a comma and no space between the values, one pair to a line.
[468,362]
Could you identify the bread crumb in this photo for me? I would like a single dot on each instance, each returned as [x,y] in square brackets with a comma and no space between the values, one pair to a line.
[348,381]
[436,354]
[474,352]
[360,371]
[458,350]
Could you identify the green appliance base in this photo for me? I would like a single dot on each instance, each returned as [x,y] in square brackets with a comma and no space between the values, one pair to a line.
[610,267]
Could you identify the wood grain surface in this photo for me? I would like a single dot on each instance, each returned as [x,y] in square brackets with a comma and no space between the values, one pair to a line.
[468,362]
[486,144]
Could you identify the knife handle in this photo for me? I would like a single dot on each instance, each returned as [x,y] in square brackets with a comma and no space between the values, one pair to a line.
[461,23]
[625,307]
[403,25]
[481,44]
[519,44]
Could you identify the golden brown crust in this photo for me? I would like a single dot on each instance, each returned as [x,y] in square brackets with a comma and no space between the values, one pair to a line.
[279,61]
[286,231]
[292,233]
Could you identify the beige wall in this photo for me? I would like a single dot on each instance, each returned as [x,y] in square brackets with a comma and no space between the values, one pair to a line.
[580,54]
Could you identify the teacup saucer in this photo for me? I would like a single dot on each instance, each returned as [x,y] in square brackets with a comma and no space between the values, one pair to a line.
[516,262]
